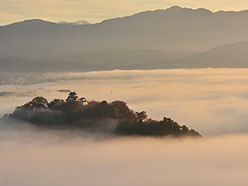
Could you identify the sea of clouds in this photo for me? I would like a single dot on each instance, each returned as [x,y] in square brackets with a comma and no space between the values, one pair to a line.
[212,101]
[30,156]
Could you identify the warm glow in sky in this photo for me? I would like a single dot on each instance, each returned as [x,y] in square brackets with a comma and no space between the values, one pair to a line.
[98,10]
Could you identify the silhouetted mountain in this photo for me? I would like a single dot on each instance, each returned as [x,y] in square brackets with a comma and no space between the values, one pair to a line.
[114,58]
[20,65]
[234,55]
[175,29]
[86,61]
[237,19]
[14,64]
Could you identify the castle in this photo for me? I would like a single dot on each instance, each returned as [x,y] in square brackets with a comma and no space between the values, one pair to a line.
[73,97]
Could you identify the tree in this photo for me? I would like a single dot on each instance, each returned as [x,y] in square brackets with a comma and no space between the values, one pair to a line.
[125,112]
[41,100]
[141,116]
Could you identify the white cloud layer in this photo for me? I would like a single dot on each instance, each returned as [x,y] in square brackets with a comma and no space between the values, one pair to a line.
[211,101]
[29,157]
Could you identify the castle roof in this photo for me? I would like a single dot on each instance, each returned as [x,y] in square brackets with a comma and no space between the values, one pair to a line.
[72,93]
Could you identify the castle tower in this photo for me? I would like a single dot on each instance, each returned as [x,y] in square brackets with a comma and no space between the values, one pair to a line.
[72,97]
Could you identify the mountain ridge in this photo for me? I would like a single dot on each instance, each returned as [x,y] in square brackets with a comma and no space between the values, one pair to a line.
[231,55]
[178,31]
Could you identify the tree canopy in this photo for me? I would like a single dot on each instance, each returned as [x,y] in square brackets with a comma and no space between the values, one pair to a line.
[96,115]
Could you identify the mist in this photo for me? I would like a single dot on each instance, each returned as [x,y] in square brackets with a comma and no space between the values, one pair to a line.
[30,156]
[211,101]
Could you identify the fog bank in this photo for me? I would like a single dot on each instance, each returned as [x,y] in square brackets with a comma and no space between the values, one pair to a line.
[211,101]
[29,157]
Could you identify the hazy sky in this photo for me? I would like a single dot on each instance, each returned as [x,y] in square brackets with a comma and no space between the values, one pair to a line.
[98,10]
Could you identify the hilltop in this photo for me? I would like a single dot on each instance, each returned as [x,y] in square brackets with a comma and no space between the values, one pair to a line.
[111,118]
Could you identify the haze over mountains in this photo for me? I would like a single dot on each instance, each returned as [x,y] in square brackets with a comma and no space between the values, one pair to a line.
[81,22]
[172,38]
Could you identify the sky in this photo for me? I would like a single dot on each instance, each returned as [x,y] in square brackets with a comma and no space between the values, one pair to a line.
[95,11]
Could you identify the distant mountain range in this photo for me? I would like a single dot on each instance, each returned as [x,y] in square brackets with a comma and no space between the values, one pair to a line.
[108,59]
[172,38]
[234,55]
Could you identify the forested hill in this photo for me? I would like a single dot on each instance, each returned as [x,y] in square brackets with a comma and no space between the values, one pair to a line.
[113,118]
